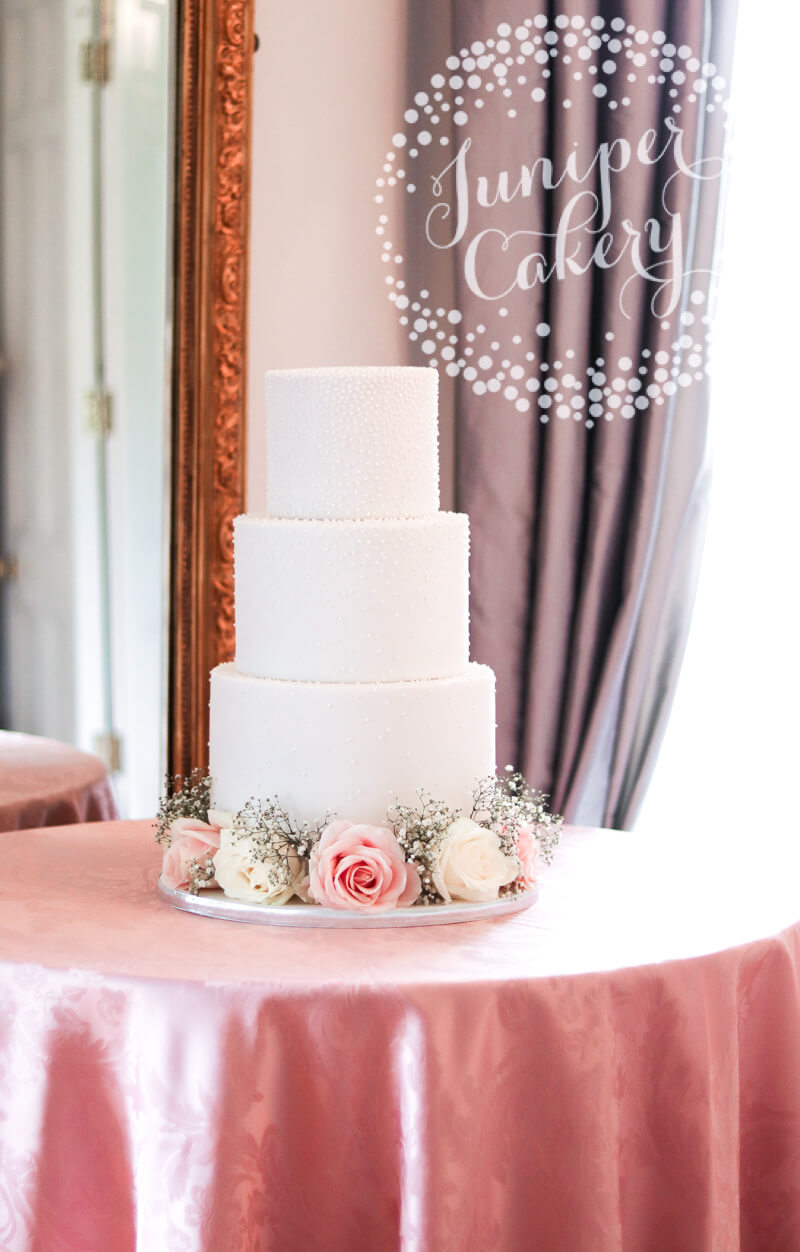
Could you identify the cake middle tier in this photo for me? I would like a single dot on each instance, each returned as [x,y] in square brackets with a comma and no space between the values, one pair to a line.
[352,601]
[349,748]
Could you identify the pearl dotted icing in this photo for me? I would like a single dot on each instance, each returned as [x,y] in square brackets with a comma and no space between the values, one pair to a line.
[352,442]
[333,601]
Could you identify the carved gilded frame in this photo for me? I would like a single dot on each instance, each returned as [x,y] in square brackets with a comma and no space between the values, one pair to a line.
[215,44]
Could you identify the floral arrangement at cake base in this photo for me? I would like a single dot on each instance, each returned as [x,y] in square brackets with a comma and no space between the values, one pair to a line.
[424,855]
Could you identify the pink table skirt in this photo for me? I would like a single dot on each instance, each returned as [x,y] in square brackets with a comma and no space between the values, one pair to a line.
[618,1068]
[44,783]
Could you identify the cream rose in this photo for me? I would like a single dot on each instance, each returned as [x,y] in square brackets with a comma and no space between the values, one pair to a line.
[243,877]
[472,865]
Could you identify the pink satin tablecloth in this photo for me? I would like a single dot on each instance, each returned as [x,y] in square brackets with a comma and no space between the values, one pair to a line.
[618,1068]
[44,783]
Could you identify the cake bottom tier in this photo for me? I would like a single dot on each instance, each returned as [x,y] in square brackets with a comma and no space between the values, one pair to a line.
[350,749]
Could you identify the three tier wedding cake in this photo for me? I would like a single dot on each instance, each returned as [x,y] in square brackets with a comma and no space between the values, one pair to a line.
[352,740]
[352,687]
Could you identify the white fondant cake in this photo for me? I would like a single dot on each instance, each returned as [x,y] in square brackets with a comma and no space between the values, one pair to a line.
[352,443]
[350,748]
[351,688]
[343,601]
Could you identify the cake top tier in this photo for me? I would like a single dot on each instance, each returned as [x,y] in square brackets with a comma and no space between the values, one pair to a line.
[352,442]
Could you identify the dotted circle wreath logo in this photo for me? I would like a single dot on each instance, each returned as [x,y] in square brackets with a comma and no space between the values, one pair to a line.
[512,71]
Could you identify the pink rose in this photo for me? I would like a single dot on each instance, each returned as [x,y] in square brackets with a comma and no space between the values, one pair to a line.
[191,840]
[528,854]
[362,868]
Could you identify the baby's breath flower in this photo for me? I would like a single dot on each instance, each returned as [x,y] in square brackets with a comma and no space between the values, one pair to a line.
[420,832]
[200,876]
[508,802]
[183,797]
[274,839]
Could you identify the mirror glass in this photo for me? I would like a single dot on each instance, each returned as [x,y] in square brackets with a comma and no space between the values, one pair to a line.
[84,170]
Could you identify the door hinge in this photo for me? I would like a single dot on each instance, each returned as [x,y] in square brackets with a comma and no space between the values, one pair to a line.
[9,568]
[95,61]
[108,746]
[99,412]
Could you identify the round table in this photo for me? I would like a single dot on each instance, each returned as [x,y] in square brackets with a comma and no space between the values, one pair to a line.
[617,1068]
[45,783]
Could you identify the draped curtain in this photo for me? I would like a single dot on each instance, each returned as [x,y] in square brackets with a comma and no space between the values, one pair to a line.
[586,537]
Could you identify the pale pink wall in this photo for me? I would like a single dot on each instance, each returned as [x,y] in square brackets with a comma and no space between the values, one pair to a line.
[330,90]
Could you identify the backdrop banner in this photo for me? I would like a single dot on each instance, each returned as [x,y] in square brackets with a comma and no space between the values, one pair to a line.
[558,180]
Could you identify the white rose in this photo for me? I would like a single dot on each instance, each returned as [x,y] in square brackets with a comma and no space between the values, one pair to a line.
[472,865]
[243,877]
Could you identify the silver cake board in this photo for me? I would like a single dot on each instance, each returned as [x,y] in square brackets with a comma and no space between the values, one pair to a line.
[213,903]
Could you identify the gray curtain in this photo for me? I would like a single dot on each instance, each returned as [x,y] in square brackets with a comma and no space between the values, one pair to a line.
[586,539]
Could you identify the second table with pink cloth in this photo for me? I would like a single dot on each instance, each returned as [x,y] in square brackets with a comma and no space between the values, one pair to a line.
[47,783]
[616,1068]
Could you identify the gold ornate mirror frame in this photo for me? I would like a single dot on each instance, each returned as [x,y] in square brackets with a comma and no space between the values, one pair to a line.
[211,224]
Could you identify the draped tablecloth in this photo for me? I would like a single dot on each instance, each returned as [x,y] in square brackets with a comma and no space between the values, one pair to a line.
[45,783]
[618,1068]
